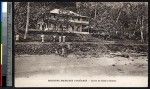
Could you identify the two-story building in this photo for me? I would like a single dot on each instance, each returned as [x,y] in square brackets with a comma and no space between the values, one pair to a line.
[59,20]
[58,25]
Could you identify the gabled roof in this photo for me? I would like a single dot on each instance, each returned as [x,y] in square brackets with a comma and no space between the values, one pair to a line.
[66,12]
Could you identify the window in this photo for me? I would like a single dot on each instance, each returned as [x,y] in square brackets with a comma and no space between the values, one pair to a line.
[52,16]
[78,19]
[72,18]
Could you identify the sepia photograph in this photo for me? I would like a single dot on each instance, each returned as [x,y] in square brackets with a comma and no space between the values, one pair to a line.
[81,44]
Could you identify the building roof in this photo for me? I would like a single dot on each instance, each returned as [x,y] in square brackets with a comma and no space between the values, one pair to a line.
[66,12]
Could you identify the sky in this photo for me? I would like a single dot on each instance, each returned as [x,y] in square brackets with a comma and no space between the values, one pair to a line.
[4,7]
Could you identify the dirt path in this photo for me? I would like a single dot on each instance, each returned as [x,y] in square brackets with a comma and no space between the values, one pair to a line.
[27,65]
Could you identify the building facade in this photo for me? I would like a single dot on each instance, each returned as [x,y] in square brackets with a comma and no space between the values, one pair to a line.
[59,20]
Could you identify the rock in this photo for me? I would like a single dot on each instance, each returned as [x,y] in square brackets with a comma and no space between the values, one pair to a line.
[125,55]
[119,70]
[113,65]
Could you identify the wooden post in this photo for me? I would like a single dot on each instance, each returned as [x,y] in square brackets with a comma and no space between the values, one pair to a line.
[42,36]
[46,28]
[54,38]
[17,37]
[59,38]
[63,51]
[64,38]
[27,22]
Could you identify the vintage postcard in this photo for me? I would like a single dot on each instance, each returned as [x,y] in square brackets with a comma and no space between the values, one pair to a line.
[81,44]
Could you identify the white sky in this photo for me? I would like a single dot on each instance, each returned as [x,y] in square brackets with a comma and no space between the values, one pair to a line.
[4,6]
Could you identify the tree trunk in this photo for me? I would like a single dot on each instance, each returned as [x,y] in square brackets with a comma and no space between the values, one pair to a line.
[137,21]
[95,15]
[27,22]
[95,11]
[141,29]
[142,37]
[118,16]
